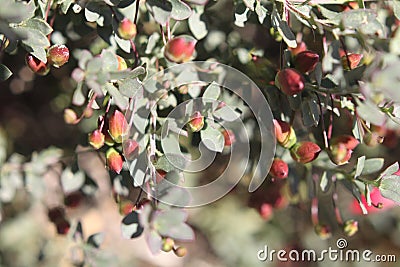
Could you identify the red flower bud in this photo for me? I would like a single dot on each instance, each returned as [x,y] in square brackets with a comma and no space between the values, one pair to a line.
[58,55]
[63,227]
[73,199]
[305,152]
[131,149]
[121,63]
[290,81]
[36,65]
[127,29]
[300,48]
[196,122]
[284,133]
[354,60]
[342,148]
[279,169]
[114,160]
[117,126]
[180,49]
[70,116]
[229,137]
[96,139]
[306,61]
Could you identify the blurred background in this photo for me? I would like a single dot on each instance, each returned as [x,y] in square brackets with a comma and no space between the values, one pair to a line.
[229,232]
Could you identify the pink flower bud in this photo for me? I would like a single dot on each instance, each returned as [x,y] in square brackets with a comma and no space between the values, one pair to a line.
[306,61]
[114,160]
[180,49]
[36,65]
[279,169]
[229,137]
[96,139]
[305,152]
[284,133]
[127,29]
[196,122]
[58,55]
[290,81]
[117,126]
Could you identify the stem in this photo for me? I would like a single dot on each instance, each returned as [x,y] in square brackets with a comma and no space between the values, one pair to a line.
[49,3]
[345,52]
[338,215]
[105,114]
[330,128]
[136,11]
[135,52]
[322,123]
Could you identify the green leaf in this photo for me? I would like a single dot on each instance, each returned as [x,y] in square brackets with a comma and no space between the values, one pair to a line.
[96,240]
[92,11]
[396,8]
[161,10]
[16,11]
[110,61]
[180,10]
[261,12]
[242,14]
[310,112]
[171,162]
[332,16]
[196,25]
[154,241]
[129,87]
[372,165]
[125,45]
[360,166]
[65,5]
[370,112]
[39,52]
[38,24]
[226,113]
[212,139]
[130,226]
[5,73]
[390,187]
[390,170]
[211,93]
[324,181]
[116,95]
[34,37]
[283,28]
[70,181]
